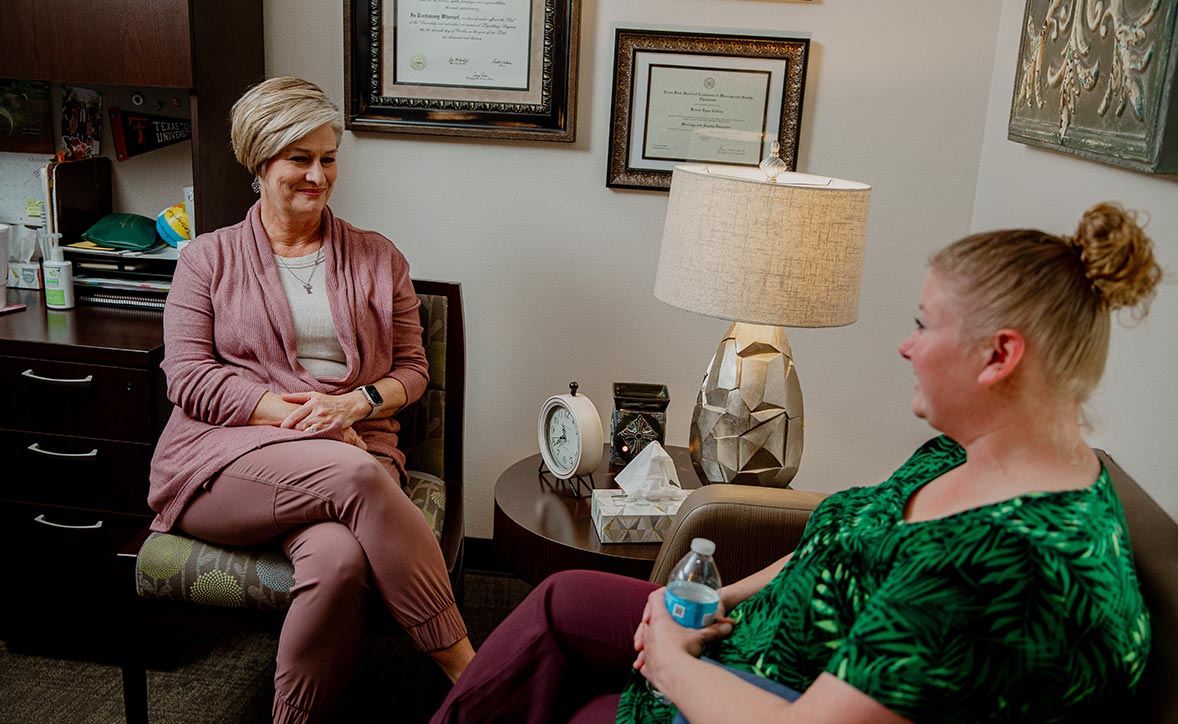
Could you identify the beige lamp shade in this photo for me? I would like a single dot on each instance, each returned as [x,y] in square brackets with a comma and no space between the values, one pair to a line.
[740,247]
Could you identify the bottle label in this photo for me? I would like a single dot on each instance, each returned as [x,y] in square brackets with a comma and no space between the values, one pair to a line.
[55,297]
[692,604]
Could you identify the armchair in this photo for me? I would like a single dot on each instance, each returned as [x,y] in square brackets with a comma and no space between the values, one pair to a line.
[179,578]
[755,526]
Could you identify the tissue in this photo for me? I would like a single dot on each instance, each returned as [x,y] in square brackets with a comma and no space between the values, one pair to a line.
[651,475]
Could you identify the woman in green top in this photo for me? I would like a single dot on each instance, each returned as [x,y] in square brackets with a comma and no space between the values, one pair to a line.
[989,579]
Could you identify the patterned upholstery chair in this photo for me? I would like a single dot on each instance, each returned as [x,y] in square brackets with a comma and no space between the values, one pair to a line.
[174,571]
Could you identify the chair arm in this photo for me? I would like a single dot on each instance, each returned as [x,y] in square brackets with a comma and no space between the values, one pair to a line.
[751,526]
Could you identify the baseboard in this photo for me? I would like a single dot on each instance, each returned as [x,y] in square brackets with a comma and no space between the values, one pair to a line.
[481,557]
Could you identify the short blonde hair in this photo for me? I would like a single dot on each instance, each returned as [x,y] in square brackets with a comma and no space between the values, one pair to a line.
[1057,291]
[274,114]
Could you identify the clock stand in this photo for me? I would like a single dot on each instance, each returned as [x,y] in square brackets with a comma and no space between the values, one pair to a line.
[575,482]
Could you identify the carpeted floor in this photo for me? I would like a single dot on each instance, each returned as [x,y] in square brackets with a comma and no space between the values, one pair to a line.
[228,678]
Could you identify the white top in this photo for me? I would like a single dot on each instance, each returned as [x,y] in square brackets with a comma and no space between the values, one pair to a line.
[702,546]
[318,346]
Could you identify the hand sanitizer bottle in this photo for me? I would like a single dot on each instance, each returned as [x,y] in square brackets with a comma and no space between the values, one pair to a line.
[59,280]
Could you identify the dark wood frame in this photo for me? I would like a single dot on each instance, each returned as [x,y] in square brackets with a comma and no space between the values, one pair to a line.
[453,528]
[629,42]
[554,119]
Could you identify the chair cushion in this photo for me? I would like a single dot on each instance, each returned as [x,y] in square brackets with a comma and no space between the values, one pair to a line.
[174,567]
[428,493]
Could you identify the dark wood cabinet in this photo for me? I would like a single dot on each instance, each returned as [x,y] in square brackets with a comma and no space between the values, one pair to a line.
[212,48]
[113,42]
[84,404]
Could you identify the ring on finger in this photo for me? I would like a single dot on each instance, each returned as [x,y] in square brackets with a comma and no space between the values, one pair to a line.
[312,428]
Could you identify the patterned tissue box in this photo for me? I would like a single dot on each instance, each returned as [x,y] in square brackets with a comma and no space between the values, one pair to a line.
[620,521]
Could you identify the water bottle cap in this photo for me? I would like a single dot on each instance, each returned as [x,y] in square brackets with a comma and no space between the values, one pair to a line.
[702,546]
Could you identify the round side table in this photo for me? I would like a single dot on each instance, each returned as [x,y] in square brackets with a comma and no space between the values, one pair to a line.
[542,528]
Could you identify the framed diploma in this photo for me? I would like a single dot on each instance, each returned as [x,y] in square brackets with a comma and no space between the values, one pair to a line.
[489,68]
[685,97]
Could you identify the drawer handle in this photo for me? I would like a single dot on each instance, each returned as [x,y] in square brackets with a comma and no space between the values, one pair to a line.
[41,519]
[36,447]
[82,382]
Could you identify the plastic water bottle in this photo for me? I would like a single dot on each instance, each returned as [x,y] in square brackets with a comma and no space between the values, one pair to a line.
[692,595]
[693,590]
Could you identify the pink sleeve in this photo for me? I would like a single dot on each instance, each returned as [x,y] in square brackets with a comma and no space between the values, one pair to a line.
[409,367]
[198,382]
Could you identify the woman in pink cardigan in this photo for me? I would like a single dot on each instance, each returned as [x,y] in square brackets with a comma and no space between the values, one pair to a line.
[292,338]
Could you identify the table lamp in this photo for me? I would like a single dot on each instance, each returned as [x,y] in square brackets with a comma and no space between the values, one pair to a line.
[766,251]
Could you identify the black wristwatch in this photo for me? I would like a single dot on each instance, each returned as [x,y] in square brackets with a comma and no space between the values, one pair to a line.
[374,399]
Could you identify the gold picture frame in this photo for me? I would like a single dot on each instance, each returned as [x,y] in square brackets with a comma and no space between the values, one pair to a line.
[701,97]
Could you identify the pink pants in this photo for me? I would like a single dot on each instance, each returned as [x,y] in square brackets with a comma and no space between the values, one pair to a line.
[347,526]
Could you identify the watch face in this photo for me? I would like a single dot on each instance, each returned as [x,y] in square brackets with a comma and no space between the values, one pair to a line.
[563,439]
[373,395]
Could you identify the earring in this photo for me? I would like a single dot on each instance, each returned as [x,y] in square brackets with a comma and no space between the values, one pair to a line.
[256,186]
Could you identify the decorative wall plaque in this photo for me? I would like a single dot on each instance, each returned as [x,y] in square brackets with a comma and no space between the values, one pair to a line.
[1097,79]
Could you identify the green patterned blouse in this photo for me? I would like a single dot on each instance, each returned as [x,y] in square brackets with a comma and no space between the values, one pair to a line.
[1027,610]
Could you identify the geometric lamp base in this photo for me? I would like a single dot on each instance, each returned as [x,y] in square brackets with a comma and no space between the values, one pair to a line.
[747,425]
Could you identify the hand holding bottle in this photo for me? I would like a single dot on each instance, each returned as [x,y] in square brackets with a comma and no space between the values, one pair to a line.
[690,599]
[659,630]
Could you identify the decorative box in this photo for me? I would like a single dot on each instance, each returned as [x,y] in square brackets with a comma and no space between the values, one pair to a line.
[620,521]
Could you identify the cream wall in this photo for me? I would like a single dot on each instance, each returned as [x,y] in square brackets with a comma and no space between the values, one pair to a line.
[557,270]
[1134,414]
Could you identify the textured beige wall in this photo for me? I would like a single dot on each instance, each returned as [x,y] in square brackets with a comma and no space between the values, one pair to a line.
[558,270]
[1134,414]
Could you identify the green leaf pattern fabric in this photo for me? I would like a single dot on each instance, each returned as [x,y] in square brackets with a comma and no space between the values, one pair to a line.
[1027,610]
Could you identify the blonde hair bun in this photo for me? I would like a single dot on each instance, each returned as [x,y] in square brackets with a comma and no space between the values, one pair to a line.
[1117,256]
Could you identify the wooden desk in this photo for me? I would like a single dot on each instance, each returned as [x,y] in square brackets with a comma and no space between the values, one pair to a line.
[540,528]
[84,404]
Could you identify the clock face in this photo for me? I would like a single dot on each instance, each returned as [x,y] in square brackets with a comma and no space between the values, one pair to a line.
[569,433]
[563,439]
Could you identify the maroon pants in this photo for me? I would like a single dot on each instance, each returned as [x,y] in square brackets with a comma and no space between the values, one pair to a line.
[346,525]
[563,655]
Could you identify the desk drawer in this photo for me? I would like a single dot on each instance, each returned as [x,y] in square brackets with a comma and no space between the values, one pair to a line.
[64,587]
[77,399]
[34,530]
[75,471]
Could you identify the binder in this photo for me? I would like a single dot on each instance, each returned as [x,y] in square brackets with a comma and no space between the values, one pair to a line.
[122,300]
[79,195]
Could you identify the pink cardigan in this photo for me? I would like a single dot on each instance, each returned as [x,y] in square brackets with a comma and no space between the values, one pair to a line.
[229,338]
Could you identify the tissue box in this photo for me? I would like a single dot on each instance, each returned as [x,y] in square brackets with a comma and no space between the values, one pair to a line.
[620,521]
[24,275]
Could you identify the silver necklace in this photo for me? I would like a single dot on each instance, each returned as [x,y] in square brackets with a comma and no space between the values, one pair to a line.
[305,282]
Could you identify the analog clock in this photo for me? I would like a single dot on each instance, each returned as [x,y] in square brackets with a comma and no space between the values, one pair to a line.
[569,432]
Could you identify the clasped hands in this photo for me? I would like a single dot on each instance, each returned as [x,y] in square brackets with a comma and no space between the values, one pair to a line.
[317,412]
[662,643]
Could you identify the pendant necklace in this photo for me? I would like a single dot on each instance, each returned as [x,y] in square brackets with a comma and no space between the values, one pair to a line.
[305,282]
